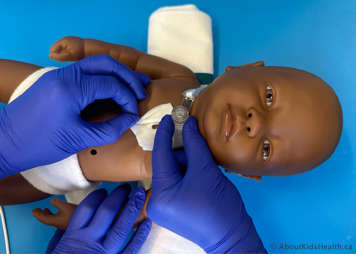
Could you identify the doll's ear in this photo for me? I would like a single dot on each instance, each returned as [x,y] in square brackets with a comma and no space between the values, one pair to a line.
[256,178]
[255,64]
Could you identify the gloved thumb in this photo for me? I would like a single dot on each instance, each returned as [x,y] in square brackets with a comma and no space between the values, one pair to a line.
[165,168]
[196,150]
[106,132]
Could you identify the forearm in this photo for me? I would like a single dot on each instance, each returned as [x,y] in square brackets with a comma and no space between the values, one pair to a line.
[153,66]
[12,73]
[126,55]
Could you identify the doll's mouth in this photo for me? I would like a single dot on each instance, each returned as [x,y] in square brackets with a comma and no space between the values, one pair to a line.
[230,124]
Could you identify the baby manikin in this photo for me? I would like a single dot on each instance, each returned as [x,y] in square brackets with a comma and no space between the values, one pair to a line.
[257,120]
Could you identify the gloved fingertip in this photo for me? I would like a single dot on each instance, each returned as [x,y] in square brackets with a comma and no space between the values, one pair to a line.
[147,224]
[129,107]
[140,192]
[167,123]
[145,79]
[142,96]
[132,119]
[99,193]
[140,189]
[140,197]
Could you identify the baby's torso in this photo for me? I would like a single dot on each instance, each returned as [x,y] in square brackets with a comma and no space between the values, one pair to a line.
[132,149]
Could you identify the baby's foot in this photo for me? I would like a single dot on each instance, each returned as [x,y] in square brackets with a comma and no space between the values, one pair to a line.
[59,219]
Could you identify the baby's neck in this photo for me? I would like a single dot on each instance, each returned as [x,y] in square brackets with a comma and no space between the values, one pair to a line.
[196,105]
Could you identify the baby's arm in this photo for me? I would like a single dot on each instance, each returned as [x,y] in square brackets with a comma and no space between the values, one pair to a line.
[73,48]
[123,160]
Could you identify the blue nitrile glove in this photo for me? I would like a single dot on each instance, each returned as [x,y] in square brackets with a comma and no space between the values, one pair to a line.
[43,125]
[202,205]
[54,240]
[91,229]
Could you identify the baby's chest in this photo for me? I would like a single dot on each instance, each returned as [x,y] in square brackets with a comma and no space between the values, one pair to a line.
[164,91]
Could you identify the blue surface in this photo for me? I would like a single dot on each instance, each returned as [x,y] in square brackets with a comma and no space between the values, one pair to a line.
[317,207]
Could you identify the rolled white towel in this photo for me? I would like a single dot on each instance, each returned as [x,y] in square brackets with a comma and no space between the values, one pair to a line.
[182,34]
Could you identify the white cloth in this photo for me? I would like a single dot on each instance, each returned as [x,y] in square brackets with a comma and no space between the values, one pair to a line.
[163,241]
[182,34]
[143,129]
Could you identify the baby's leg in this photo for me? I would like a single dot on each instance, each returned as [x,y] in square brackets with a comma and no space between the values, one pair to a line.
[12,73]
[65,210]
[60,219]
[16,190]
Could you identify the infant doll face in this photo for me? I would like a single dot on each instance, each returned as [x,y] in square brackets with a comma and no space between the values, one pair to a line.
[261,120]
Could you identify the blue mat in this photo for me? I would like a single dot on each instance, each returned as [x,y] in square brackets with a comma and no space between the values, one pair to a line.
[317,207]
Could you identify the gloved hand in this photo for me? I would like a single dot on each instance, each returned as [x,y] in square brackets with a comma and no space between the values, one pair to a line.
[202,205]
[43,125]
[91,229]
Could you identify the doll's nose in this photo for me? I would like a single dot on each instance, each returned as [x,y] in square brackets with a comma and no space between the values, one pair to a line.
[253,122]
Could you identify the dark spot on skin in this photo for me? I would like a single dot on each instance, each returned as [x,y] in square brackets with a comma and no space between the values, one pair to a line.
[93,152]
[155,126]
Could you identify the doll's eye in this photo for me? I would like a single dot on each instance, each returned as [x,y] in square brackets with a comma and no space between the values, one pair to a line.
[269,95]
[266,149]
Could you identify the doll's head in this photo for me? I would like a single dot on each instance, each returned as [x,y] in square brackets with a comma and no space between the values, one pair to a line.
[268,120]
